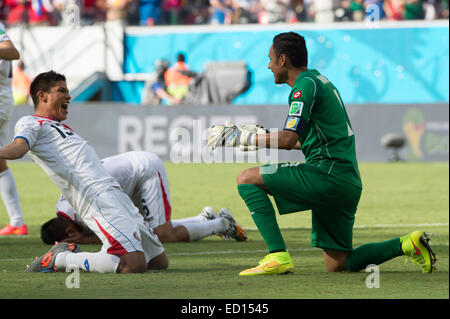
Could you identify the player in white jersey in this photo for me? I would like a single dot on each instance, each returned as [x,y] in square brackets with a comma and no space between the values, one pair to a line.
[129,243]
[8,187]
[144,179]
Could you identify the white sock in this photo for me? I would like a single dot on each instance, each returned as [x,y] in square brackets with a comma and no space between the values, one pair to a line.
[189,220]
[10,198]
[94,262]
[201,230]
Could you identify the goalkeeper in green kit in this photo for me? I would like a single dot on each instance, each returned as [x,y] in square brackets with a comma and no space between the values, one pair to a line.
[328,183]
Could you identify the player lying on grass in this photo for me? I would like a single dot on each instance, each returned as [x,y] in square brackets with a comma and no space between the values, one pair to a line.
[143,177]
[328,183]
[129,243]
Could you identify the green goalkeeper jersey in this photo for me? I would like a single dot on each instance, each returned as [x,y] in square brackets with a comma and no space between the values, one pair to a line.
[317,114]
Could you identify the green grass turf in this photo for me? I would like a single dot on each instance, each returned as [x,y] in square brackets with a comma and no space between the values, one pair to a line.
[397,198]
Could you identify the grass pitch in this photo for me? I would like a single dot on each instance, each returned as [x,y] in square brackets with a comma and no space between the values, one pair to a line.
[397,198]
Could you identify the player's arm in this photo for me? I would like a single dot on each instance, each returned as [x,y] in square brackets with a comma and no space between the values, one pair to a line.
[285,140]
[8,51]
[15,150]
[83,238]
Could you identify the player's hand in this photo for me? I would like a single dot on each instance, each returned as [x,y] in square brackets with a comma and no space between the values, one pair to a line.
[224,135]
[248,136]
[230,135]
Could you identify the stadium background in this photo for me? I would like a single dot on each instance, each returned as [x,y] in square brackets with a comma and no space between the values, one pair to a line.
[393,77]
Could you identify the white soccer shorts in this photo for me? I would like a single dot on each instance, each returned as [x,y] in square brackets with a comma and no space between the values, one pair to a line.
[120,227]
[154,197]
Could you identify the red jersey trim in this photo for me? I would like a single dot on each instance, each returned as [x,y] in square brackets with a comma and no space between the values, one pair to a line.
[116,248]
[167,208]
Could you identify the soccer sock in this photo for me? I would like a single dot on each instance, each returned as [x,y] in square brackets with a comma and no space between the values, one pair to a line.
[10,198]
[373,253]
[263,215]
[203,229]
[189,220]
[94,262]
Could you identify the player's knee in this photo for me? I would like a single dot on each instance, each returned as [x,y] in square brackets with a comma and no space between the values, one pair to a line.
[132,263]
[247,177]
[335,261]
[160,262]
[334,268]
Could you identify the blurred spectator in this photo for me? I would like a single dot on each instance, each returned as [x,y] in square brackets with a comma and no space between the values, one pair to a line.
[150,12]
[196,12]
[172,11]
[221,11]
[20,84]
[245,11]
[19,11]
[155,89]
[394,9]
[430,8]
[442,9]
[32,12]
[374,10]
[2,10]
[178,77]
[41,12]
[300,9]
[117,9]
[414,10]
[273,11]
[181,12]
[353,10]
[322,11]
[89,12]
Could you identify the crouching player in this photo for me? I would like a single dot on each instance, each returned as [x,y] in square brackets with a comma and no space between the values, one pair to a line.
[143,177]
[129,243]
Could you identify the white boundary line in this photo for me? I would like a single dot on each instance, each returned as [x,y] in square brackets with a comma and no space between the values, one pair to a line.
[209,28]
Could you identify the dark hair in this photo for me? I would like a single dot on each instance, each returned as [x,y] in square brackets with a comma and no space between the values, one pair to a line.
[44,82]
[293,45]
[181,57]
[54,230]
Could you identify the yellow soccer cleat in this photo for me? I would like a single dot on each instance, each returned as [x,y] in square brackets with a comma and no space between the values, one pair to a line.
[416,247]
[278,263]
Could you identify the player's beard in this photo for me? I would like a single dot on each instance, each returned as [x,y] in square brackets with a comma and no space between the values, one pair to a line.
[281,77]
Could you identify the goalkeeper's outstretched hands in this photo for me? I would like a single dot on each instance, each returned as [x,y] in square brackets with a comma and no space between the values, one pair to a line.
[229,135]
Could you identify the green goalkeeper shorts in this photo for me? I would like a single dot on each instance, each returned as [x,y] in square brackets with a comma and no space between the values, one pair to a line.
[299,186]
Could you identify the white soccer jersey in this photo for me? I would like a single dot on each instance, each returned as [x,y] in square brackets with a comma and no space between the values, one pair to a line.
[143,177]
[67,159]
[6,97]
[66,210]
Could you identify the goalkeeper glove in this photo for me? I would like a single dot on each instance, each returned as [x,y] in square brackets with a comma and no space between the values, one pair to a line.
[230,135]
[248,136]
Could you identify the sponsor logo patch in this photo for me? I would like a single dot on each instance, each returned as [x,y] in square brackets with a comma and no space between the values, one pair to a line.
[86,265]
[297,94]
[296,109]
[292,122]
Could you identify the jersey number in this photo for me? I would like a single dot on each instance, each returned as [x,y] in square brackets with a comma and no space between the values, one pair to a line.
[63,134]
